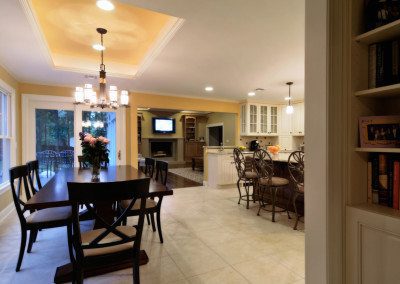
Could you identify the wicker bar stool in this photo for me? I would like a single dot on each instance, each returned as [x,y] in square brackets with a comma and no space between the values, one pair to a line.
[296,170]
[246,174]
[268,185]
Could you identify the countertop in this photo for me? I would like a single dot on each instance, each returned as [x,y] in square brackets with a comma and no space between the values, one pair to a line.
[281,157]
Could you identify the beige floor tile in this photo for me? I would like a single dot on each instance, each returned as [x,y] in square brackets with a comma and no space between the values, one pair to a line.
[266,270]
[224,275]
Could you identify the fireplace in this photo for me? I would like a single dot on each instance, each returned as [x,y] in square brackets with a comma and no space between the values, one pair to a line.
[161,148]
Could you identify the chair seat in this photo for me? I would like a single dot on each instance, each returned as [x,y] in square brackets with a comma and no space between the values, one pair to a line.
[250,174]
[49,214]
[275,181]
[89,236]
[150,203]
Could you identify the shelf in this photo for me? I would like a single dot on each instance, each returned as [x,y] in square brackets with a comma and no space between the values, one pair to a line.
[386,32]
[378,150]
[385,91]
[378,209]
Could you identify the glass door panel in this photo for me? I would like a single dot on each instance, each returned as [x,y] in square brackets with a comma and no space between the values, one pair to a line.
[102,124]
[54,141]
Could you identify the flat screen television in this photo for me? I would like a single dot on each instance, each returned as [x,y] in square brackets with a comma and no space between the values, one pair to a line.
[163,125]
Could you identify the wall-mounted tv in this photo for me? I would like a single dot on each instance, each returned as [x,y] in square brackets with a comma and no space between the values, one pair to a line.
[163,125]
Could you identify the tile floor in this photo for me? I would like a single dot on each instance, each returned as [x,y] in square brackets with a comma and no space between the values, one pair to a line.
[208,238]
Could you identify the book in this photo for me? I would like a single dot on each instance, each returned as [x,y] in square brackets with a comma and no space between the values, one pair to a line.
[372,66]
[375,178]
[396,184]
[369,182]
[390,165]
[383,179]
[379,74]
[395,62]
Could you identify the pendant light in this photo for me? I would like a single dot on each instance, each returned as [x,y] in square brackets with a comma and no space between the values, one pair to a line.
[289,107]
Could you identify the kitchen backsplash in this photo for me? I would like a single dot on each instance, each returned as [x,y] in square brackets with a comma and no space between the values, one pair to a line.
[266,141]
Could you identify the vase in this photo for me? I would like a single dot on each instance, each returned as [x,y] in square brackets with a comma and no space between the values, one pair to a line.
[96,169]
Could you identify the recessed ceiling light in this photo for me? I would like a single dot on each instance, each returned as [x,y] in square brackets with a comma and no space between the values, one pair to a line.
[209,89]
[251,94]
[98,47]
[105,5]
[288,98]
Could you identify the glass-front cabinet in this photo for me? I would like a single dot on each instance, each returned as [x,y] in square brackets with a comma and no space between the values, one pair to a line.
[259,120]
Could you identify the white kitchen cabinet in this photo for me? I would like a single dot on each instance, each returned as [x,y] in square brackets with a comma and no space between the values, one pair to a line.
[298,119]
[286,122]
[286,142]
[259,120]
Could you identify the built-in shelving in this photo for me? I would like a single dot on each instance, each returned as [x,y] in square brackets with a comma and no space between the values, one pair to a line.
[379,209]
[386,32]
[385,91]
[378,150]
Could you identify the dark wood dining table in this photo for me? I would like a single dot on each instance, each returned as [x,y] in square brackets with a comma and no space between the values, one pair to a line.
[55,194]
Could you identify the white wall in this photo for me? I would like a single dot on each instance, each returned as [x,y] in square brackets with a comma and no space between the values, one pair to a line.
[316,141]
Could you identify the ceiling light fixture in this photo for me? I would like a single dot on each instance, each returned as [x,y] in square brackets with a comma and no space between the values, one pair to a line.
[105,5]
[251,94]
[289,107]
[98,47]
[287,98]
[209,89]
[89,97]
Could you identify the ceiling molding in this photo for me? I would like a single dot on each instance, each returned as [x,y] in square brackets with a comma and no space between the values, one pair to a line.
[167,33]
[34,23]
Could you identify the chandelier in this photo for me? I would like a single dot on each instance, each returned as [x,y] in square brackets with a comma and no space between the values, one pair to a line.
[86,95]
[289,107]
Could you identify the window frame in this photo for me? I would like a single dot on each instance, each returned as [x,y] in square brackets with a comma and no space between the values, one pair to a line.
[11,131]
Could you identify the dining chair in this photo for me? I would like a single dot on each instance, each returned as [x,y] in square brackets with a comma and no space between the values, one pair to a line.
[112,240]
[268,185]
[36,220]
[82,163]
[33,175]
[296,170]
[152,206]
[149,165]
[246,174]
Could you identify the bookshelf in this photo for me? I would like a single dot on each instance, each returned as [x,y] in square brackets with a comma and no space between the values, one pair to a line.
[378,150]
[386,32]
[190,125]
[381,92]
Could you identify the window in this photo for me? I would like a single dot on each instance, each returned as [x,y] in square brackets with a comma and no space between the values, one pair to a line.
[5,136]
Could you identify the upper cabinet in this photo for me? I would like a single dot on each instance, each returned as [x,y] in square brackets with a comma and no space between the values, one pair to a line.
[298,119]
[259,120]
[286,122]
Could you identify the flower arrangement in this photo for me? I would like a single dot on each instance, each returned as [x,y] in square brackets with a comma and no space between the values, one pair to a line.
[242,148]
[274,149]
[94,151]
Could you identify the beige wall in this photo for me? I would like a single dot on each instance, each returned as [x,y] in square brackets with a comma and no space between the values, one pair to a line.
[229,122]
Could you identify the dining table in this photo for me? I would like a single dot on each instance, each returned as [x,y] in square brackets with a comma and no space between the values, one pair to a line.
[55,194]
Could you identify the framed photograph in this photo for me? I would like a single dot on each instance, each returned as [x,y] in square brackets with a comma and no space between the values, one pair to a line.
[379,131]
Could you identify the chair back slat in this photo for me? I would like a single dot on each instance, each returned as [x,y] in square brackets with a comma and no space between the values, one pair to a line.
[296,168]
[149,164]
[264,164]
[19,177]
[91,194]
[33,176]
[162,172]
[239,162]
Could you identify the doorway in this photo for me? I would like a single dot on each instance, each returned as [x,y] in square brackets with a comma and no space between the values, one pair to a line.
[215,134]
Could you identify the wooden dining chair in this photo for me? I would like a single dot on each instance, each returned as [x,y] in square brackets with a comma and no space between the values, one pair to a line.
[268,185]
[296,170]
[152,206]
[33,175]
[112,240]
[149,165]
[36,220]
[82,163]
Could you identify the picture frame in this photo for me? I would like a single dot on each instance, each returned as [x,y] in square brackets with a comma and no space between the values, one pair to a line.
[379,131]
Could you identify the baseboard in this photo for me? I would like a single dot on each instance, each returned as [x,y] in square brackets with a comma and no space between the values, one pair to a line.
[6,211]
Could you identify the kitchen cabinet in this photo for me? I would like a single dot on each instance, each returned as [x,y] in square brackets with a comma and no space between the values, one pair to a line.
[259,119]
[286,142]
[298,119]
[286,122]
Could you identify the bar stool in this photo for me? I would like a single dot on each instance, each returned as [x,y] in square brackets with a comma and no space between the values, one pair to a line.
[268,185]
[246,174]
[296,170]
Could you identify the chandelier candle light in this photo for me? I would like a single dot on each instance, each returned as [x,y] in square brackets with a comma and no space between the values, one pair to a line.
[87,96]
[289,107]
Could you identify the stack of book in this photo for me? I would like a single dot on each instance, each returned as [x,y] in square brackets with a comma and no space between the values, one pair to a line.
[384,179]
[383,64]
